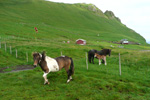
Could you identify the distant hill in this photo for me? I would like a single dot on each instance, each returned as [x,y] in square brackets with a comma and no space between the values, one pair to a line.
[70,21]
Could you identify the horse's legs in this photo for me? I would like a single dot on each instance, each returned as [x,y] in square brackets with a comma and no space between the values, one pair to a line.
[68,73]
[93,59]
[99,61]
[69,76]
[105,60]
[89,57]
[102,61]
[45,78]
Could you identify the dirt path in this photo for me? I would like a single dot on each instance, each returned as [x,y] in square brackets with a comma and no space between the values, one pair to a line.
[145,50]
[16,68]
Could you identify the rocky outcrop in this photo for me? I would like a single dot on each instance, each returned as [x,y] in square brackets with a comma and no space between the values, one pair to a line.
[111,15]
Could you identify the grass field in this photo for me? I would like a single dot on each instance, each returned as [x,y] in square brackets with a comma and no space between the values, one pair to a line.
[98,82]
[56,23]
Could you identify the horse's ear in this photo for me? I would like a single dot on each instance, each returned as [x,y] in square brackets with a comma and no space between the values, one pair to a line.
[33,53]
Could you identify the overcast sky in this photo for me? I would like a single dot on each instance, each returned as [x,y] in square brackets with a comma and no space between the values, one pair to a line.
[135,14]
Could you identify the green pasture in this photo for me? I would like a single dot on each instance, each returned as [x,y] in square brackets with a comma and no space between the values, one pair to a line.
[98,82]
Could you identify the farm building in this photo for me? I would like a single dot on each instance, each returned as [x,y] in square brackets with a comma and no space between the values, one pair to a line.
[124,41]
[81,42]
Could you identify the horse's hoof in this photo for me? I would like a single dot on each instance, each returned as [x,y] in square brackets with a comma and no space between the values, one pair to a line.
[68,81]
[70,78]
[46,83]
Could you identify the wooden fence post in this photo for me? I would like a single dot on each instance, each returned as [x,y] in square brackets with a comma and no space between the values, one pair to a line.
[27,56]
[119,64]
[16,54]
[10,50]
[0,44]
[5,47]
[86,61]
[61,53]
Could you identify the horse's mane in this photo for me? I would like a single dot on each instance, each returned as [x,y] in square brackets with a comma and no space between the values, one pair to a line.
[43,55]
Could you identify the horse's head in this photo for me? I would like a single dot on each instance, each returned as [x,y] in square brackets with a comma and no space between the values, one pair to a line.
[95,55]
[36,58]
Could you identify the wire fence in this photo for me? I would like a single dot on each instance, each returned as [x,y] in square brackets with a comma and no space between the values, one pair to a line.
[13,51]
[24,55]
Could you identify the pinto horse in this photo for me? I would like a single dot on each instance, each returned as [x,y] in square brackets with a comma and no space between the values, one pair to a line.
[49,64]
[100,57]
[92,52]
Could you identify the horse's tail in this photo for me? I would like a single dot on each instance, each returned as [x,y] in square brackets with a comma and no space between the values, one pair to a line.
[89,57]
[109,52]
[71,67]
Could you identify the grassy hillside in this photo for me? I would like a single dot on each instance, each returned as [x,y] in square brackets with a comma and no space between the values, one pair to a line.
[76,20]
[56,23]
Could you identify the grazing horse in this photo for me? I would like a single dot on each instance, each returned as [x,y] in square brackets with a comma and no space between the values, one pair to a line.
[100,57]
[92,52]
[49,64]
[91,55]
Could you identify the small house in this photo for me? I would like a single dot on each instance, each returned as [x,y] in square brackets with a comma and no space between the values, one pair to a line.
[124,41]
[81,42]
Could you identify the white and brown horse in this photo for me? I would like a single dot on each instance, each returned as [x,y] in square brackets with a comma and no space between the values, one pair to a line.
[100,57]
[49,64]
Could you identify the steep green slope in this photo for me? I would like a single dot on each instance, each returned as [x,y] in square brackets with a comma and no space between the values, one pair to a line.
[73,20]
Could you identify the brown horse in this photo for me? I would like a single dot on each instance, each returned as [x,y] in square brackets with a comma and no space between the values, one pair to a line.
[49,64]
[100,57]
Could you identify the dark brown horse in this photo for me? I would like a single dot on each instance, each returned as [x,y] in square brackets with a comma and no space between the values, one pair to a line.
[92,52]
[49,64]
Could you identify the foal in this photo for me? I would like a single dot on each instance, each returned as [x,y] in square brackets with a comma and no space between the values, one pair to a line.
[100,57]
[49,64]
[92,52]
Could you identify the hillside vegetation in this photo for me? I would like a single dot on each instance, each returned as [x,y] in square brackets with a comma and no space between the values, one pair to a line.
[58,23]
[75,20]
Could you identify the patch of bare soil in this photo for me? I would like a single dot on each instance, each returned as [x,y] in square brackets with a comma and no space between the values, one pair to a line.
[16,68]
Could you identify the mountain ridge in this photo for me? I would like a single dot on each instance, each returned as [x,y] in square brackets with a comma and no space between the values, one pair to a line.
[84,19]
